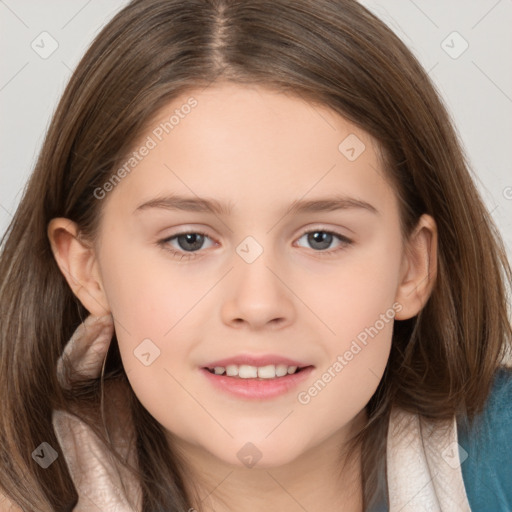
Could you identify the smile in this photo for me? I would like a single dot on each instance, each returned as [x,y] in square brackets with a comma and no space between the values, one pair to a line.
[251,382]
[246,371]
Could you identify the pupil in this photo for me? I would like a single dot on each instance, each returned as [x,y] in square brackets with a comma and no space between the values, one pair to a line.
[194,239]
[320,237]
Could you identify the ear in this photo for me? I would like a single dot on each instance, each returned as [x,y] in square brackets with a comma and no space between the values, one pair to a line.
[78,263]
[419,268]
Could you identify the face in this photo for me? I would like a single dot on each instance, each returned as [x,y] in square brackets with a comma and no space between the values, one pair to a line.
[298,263]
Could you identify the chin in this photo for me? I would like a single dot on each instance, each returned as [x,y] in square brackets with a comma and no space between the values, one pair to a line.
[263,454]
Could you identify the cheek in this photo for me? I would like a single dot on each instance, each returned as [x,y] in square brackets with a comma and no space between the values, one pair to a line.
[342,387]
[352,295]
[360,316]
[157,308]
[134,289]
[357,307]
[145,287]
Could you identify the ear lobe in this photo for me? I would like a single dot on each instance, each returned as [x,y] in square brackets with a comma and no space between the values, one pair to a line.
[77,262]
[419,268]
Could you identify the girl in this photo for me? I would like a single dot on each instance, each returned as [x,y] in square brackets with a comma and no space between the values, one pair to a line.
[251,270]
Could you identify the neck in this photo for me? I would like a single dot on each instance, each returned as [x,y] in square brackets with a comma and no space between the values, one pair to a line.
[319,479]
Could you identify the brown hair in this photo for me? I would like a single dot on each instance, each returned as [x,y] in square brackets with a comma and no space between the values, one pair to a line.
[332,52]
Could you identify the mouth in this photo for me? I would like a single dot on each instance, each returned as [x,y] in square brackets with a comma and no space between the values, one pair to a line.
[245,371]
[256,382]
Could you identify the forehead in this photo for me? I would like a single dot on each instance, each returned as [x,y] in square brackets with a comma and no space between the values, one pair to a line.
[254,147]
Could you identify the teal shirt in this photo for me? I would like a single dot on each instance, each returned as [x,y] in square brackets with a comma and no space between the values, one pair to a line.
[487,470]
[487,467]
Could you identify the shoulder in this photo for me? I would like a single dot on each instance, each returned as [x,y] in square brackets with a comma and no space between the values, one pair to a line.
[487,443]
[89,452]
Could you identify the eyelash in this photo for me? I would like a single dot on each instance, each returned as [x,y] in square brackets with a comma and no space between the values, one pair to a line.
[187,256]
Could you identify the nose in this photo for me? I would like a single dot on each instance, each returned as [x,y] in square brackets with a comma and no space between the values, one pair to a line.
[258,295]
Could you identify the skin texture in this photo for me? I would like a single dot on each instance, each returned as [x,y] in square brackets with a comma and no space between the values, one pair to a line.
[259,151]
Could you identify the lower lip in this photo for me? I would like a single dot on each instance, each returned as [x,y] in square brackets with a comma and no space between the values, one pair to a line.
[258,388]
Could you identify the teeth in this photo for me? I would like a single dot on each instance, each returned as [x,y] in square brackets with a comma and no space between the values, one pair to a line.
[245,371]
[232,370]
[282,370]
[267,372]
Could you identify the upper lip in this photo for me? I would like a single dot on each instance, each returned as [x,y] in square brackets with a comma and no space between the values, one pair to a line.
[256,360]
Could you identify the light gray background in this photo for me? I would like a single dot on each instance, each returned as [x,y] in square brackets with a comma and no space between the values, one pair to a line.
[476,85]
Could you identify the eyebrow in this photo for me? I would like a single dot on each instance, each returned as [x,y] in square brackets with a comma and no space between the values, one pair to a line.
[209,205]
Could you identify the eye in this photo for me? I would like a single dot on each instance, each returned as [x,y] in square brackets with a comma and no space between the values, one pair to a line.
[321,239]
[190,242]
